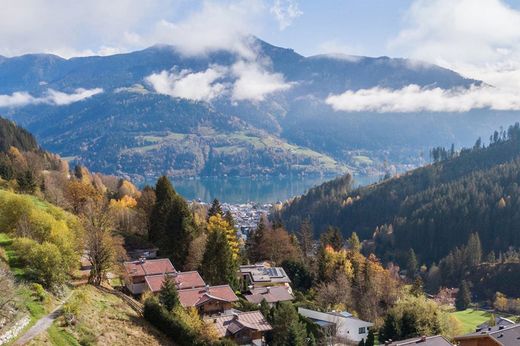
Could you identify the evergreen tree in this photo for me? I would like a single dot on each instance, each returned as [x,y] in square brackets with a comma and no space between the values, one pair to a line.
[332,237]
[474,250]
[283,316]
[218,266]
[26,182]
[168,296]
[159,217]
[215,209]
[411,264]
[297,334]
[370,338]
[391,328]
[254,241]
[362,342]
[463,299]
[353,242]
[311,340]
[229,218]
[417,287]
[306,238]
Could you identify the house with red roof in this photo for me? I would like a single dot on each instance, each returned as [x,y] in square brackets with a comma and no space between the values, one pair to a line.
[244,328]
[209,300]
[183,280]
[137,271]
[271,295]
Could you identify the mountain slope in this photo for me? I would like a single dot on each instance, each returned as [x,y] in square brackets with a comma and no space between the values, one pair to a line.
[431,209]
[100,129]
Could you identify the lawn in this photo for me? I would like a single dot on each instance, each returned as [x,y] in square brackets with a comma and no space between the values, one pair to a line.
[471,318]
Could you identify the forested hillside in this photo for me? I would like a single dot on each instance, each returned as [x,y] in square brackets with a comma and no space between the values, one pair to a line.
[14,136]
[432,209]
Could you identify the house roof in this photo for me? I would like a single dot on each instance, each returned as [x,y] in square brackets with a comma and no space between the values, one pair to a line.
[230,324]
[149,267]
[199,296]
[184,280]
[260,273]
[270,294]
[436,340]
[504,335]
[499,321]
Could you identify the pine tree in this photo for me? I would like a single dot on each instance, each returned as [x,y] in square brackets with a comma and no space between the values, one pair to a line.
[417,287]
[254,241]
[362,342]
[159,217]
[411,264]
[463,299]
[474,250]
[168,296]
[215,209]
[218,266]
[306,238]
[332,237]
[353,242]
[297,334]
[229,218]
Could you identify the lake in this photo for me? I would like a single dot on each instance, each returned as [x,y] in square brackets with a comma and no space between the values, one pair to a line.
[236,190]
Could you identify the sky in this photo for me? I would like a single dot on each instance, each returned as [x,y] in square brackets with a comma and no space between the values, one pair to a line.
[477,38]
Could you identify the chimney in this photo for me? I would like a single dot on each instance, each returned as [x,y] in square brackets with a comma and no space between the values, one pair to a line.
[206,288]
[268,290]
[142,260]
[235,316]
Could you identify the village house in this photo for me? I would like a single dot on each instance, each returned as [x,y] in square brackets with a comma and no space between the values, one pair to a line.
[261,275]
[501,335]
[436,340]
[342,326]
[271,295]
[137,271]
[209,300]
[183,280]
[244,328]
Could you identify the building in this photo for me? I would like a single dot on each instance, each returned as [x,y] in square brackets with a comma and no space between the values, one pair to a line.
[245,328]
[499,321]
[261,274]
[271,295]
[209,300]
[184,280]
[341,325]
[436,340]
[137,271]
[492,336]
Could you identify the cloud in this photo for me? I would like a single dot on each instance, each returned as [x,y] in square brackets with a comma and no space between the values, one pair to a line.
[196,86]
[285,12]
[413,98]
[480,39]
[52,97]
[254,82]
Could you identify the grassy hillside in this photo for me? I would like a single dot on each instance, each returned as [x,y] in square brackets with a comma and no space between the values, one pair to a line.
[102,319]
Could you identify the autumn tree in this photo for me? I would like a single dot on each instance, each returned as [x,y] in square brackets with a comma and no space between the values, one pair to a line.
[217,222]
[353,242]
[333,237]
[276,245]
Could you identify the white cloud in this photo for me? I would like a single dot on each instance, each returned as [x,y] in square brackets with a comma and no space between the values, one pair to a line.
[197,86]
[285,12]
[480,39]
[413,98]
[52,97]
[254,82]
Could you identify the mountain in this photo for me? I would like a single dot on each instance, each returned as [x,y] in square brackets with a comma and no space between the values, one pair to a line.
[14,136]
[431,209]
[105,112]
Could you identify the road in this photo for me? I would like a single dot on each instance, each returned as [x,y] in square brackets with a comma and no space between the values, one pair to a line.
[42,324]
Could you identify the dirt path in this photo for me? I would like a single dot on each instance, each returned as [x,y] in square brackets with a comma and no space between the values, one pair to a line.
[42,324]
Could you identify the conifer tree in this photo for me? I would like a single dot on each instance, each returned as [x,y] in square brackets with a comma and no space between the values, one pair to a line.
[306,238]
[159,217]
[353,242]
[168,296]
[218,266]
[215,209]
[474,250]
[297,334]
[254,241]
[370,341]
[411,264]
[332,237]
[229,218]
[463,299]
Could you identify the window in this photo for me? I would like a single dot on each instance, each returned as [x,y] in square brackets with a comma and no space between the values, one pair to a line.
[362,330]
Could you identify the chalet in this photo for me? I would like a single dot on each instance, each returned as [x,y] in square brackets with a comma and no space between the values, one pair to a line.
[184,280]
[137,271]
[341,325]
[261,275]
[244,328]
[209,300]
[436,340]
[502,335]
[271,295]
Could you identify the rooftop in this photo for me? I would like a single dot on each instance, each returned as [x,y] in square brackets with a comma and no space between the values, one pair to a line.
[228,325]
[149,267]
[270,294]
[504,335]
[184,280]
[436,340]
[262,273]
[198,296]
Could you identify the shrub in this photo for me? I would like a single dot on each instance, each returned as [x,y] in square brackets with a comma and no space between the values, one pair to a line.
[39,292]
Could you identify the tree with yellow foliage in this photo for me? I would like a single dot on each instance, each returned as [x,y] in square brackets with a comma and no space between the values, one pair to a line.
[217,222]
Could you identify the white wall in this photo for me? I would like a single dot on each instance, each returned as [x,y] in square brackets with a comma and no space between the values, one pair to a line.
[346,327]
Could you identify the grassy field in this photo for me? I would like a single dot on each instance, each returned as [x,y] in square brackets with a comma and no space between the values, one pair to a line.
[471,318]
[102,319]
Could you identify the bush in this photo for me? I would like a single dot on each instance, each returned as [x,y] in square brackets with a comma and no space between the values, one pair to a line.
[39,292]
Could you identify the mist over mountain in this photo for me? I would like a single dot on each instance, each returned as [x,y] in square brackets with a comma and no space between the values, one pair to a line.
[155,111]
